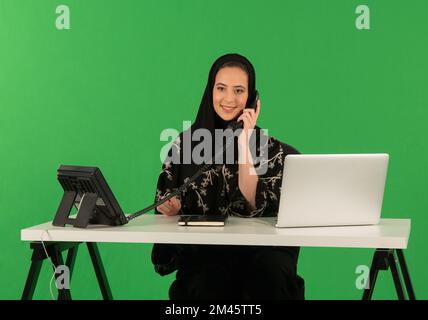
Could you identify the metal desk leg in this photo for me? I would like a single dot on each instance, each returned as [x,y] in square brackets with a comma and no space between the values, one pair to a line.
[384,259]
[71,259]
[406,276]
[39,255]
[379,262]
[63,294]
[54,250]
[396,277]
[99,270]
[33,276]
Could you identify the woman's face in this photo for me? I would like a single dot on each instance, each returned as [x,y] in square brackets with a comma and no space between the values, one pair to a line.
[230,92]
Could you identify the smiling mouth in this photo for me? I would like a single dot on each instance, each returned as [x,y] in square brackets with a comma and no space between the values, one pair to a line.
[228,109]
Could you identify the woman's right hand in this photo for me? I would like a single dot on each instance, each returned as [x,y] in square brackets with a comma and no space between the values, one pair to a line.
[170,207]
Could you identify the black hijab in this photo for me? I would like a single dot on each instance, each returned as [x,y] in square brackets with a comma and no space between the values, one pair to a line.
[207,117]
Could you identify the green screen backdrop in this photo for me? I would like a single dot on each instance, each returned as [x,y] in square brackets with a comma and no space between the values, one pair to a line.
[101,92]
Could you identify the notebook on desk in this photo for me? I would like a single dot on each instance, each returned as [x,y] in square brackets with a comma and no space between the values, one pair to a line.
[332,190]
[202,220]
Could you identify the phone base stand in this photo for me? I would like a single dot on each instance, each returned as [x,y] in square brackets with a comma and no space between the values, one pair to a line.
[84,213]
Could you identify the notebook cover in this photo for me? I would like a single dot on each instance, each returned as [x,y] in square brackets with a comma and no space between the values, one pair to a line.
[202,220]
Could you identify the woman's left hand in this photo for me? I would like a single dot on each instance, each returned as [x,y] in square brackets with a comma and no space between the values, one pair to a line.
[249,117]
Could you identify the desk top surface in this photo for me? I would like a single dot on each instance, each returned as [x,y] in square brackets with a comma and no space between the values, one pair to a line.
[150,228]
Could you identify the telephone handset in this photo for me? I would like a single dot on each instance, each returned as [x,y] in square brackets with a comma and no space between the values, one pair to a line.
[253,105]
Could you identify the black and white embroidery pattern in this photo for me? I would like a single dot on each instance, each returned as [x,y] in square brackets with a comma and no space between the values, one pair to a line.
[216,191]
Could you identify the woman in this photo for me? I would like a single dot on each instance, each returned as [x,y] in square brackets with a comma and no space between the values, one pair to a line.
[238,188]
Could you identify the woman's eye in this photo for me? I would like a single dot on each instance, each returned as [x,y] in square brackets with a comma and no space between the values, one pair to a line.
[239,91]
[220,88]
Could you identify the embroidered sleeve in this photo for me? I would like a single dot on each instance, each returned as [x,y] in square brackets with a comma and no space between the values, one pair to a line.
[168,177]
[268,188]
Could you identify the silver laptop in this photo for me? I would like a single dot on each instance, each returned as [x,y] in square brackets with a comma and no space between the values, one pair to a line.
[332,190]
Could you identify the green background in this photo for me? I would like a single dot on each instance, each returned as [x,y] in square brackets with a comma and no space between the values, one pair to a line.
[101,93]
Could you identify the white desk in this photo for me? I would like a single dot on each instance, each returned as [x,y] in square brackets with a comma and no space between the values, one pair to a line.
[389,236]
[390,233]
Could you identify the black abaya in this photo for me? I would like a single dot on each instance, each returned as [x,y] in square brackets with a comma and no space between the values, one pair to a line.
[217,272]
